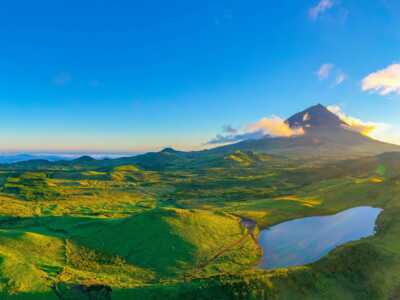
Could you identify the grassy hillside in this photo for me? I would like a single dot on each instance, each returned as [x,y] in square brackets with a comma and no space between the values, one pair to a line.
[171,241]
[84,230]
[39,254]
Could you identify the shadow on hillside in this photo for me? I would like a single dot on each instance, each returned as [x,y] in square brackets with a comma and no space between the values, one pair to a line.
[146,240]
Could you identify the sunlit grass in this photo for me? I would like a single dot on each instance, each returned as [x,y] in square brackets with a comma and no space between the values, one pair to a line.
[156,232]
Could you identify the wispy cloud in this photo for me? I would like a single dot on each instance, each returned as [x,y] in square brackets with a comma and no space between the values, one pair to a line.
[340,78]
[321,7]
[330,71]
[272,127]
[324,71]
[384,82]
[62,79]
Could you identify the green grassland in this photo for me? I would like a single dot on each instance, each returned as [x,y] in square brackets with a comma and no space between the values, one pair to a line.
[168,226]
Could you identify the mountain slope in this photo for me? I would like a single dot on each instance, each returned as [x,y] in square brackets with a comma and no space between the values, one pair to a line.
[316,116]
[325,136]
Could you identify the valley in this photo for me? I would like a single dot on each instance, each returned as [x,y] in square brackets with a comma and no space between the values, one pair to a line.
[185,225]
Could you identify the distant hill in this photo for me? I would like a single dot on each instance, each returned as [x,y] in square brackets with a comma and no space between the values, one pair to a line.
[326,137]
[13,158]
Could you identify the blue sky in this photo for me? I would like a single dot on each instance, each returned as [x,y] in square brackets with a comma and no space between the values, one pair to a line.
[127,76]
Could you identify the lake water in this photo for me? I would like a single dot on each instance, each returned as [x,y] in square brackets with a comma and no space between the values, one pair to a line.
[306,240]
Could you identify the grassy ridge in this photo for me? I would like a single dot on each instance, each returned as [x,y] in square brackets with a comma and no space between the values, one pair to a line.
[126,252]
[165,231]
[366,269]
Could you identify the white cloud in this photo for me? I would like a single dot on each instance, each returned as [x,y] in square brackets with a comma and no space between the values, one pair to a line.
[371,129]
[388,134]
[384,82]
[320,8]
[273,127]
[324,71]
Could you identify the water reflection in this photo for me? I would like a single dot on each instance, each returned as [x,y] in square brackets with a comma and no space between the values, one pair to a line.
[305,240]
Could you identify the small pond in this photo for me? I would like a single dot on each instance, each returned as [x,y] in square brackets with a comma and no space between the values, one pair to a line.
[306,240]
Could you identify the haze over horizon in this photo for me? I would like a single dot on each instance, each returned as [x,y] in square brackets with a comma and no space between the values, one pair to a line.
[107,77]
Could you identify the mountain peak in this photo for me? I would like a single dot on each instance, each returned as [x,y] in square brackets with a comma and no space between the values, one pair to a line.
[317,116]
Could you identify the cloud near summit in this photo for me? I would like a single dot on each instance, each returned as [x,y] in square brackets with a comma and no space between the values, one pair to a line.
[276,127]
[383,132]
[273,127]
[371,129]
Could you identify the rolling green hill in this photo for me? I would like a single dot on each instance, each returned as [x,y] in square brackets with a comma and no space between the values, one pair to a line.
[169,224]
[127,233]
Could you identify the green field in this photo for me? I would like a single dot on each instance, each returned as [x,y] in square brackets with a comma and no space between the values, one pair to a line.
[168,227]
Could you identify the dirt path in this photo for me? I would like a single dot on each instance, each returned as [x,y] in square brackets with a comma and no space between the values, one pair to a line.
[250,225]
[223,251]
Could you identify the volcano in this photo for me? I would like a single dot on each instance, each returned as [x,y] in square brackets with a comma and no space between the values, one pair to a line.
[325,136]
[317,116]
